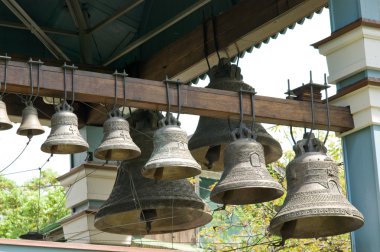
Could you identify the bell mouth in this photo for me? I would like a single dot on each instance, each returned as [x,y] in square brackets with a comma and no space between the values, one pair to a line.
[163,220]
[170,172]
[30,132]
[117,154]
[245,196]
[317,226]
[64,148]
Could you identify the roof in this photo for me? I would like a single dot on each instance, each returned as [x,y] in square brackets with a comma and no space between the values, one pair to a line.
[118,34]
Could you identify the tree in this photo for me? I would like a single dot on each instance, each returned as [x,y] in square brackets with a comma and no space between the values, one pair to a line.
[23,210]
[245,228]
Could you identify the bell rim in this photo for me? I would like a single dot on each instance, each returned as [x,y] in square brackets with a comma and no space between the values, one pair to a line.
[24,132]
[127,153]
[275,228]
[189,171]
[201,220]
[6,125]
[217,196]
[77,148]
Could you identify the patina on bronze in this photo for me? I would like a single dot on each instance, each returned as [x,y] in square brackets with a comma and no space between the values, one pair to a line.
[64,137]
[212,134]
[245,179]
[117,143]
[315,205]
[30,125]
[5,123]
[140,206]
[171,158]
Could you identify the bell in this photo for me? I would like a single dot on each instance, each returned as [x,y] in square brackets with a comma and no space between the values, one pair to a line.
[245,179]
[5,123]
[64,136]
[171,158]
[140,206]
[315,205]
[212,134]
[30,125]
[117,143]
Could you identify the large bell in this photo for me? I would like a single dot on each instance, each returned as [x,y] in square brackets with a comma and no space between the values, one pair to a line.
[314,206]
[245,179]
[30,125]
[5,123]
[140,206]
[212,134]
[117,143]
[171,158]
[64,136]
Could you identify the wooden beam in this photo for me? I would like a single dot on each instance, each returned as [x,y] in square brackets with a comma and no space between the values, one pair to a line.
[98,88]
[246,24]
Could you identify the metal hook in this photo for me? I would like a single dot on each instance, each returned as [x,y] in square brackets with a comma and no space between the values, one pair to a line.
[205,46]
[178,84]
[32,98]
[241,112]
[124,90]
[31,79]
[167,96]
[72,68]
[6,58]
[253,109]
[312,112]
[115,89]
[214,31]
[291,135]
[328,110]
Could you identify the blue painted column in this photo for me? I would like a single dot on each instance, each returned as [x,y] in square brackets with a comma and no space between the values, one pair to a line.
[353,59]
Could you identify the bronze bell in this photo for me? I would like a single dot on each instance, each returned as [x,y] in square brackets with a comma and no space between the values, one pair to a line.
[30,125]
[245,179]
[212,134]
[64,136]
[171,158]
[117,143]
[5,123]
[315,205]
[140,206]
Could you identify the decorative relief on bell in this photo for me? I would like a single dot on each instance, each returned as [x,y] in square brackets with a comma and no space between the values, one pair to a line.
[64,137]
[245,179]
[314,205]
[117,143]
[171,158]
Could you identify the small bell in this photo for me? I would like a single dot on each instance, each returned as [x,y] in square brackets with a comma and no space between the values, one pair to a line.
[245,179]
[117,143]
[140,206]
[64,136]
[315,205]
[171,158]
[30,125]
[213,134]
[5,123]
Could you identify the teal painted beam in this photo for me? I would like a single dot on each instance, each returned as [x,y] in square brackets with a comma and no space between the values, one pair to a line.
[347,11]
[367,74]
[362,164]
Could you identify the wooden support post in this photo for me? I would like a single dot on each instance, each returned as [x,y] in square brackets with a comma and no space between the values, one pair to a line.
[99,88]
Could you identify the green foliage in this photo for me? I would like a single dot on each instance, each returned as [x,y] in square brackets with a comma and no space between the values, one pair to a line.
[245,228]
[20,209]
